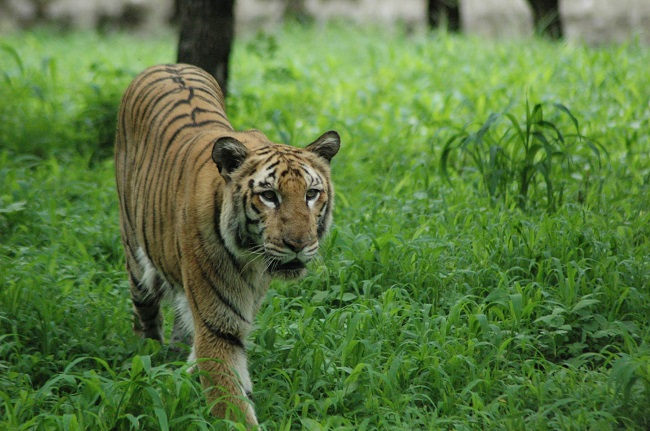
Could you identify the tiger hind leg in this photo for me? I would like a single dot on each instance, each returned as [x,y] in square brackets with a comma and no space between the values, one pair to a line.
[146,294]
[183,329]
[147,316]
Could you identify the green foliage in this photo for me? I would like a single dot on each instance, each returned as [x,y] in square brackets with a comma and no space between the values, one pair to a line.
[51,105]
[510,158]
[485,271]
[89,393]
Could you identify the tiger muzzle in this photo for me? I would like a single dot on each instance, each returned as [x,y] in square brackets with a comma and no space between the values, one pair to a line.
[295,245]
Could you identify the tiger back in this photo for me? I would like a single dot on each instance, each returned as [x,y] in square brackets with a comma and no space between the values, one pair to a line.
[208,216]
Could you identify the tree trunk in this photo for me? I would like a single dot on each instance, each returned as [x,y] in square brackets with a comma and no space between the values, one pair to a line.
[546,16]
[296,9]
[206,36]
[441,12]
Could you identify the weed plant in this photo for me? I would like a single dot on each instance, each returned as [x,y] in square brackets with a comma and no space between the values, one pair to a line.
[486,271]
[510,159]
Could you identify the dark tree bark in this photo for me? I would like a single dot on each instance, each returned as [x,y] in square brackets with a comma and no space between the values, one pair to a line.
[206,36]
[441,12]
[546,16]
[295,9]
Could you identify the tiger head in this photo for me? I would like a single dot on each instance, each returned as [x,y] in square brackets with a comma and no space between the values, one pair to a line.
[277,200]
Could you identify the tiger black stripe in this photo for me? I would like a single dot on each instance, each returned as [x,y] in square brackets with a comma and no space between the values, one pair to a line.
[157,196]
[231,257]
[316,179]
[123,199]
[143,304]
[160,190]
[183,162]
[250,219]
[272,165]
[255,209]
[208,279]
[230,338]
[241,239]
[147,88]
[321,226]
[198,111]
[202,124]
[152,98]
[160,154]
[251,168]
[135,281]
[179,158]
[207,97]
[222,242]
[245,204]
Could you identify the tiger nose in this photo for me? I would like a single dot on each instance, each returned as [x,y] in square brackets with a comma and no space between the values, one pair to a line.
[295,245]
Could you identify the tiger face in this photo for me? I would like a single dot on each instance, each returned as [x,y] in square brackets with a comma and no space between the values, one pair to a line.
[277,201]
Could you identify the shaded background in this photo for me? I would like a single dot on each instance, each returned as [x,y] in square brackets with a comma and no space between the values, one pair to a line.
[593,21]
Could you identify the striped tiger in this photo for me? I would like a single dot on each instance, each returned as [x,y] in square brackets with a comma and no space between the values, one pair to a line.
[208,216]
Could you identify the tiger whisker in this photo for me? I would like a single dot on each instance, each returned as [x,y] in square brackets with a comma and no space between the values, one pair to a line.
[258,253]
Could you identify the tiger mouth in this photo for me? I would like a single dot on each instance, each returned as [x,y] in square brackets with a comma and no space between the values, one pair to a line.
[292,265]
[291,269]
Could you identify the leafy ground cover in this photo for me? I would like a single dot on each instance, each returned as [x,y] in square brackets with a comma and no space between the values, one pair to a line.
[489,267]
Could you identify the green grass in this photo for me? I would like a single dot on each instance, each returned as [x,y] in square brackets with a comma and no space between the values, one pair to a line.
[445,299]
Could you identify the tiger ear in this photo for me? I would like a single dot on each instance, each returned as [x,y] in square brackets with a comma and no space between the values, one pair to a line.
[228,154]
[326,146]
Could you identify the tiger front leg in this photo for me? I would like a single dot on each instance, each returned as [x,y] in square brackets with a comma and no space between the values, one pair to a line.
[224,373]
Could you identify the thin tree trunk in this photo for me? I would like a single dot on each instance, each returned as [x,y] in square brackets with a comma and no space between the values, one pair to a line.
[441,12]
[296,9]
[546,16]
[206,36]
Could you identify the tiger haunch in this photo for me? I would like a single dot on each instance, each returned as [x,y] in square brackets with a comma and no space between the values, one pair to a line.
[209,215]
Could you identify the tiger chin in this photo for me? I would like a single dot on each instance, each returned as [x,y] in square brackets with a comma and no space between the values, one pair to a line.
[208,216]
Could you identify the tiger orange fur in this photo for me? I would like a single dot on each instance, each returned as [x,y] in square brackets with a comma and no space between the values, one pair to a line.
[209,216]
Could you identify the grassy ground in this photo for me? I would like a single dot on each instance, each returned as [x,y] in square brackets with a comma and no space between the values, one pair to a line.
[489,267]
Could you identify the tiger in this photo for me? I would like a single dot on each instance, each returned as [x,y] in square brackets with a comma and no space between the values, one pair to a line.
[208,217]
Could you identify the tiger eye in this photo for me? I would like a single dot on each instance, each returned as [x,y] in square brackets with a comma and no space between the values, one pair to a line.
[269,195]
[312,194]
